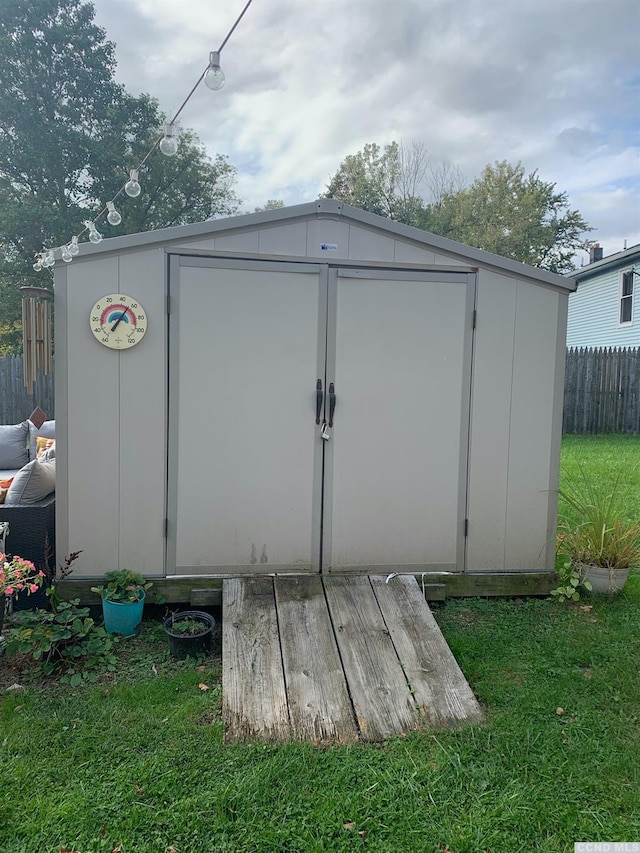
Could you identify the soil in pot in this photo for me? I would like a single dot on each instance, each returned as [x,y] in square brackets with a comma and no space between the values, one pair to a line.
[189,633]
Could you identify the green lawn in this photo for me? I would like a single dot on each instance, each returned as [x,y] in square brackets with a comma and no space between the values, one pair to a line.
[138,760]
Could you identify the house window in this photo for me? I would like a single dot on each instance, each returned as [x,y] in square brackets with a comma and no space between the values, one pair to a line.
[626,297]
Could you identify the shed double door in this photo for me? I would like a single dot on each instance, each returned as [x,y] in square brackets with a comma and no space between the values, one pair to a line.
[258,351]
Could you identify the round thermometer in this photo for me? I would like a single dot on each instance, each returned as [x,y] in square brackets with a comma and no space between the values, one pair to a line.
[118,321]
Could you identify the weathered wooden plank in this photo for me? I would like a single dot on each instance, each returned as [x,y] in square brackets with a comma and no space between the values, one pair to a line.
[379,691]
[439,687]
[319,706]
[254,702]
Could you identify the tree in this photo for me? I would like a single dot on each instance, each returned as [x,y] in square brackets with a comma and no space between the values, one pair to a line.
[503,211]
[272,204]
[384,181]
[69,134]
[514,215]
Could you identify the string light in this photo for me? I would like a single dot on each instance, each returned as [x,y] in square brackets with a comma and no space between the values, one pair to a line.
[169,143]
[113,217]
[132,187]
[214,79]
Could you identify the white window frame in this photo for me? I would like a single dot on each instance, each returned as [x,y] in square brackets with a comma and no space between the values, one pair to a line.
[626,297]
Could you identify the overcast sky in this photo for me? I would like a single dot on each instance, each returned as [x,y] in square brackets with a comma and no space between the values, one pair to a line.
[552,83]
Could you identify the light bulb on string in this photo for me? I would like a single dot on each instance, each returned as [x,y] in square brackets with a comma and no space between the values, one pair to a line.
[67,257]
[132,187]
[73,246]
[49,259]
[113,217]
[169,142]
[214,78]
[94,235]
[38,264]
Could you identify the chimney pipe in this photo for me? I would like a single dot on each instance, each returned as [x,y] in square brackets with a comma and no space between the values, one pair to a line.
[595,253]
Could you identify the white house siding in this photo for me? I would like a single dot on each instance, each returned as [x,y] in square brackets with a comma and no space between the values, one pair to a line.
[594,313]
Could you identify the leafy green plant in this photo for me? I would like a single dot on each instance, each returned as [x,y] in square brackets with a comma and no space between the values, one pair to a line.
[187,626]
[63,641]
[123,586]
[570,581]
[594,527]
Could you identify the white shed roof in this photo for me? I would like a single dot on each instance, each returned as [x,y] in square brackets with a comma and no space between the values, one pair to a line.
[326,209]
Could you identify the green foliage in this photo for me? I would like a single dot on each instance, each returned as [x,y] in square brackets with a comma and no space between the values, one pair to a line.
[383,181]
[570,582]
[69,134]
[514,215]
[503,211]
[188,626]
[123,586]
[593,528]
[272,204]
[64,642]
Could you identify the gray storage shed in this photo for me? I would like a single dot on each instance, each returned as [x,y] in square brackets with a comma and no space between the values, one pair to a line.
[206,448]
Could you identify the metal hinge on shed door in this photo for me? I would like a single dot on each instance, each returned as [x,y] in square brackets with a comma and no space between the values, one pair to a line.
[466,527]
[168,304]
[166,528]
[475,318]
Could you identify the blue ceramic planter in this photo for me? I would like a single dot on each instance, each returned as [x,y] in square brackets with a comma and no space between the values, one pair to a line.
[122,618]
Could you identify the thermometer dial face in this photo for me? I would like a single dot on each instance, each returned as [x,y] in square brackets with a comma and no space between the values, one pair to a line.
[118,321]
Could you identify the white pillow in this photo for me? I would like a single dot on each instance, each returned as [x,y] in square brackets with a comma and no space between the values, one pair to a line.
[13,445]
[32,483]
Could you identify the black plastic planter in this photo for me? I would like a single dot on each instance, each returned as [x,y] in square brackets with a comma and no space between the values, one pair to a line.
[184,644]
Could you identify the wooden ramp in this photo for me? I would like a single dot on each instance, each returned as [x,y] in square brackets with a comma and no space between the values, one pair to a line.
[335,660]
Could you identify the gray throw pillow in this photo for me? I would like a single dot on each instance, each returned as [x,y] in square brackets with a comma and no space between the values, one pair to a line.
[32,483]
[14,452]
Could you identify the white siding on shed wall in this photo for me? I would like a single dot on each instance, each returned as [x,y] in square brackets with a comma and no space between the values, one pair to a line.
[113,446]
[342,240]
[594,314]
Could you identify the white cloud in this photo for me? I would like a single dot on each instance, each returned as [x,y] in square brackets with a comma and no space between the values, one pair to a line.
[548,82]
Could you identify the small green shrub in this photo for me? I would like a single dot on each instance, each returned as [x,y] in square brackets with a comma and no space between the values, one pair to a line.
[64,642]
[123,586]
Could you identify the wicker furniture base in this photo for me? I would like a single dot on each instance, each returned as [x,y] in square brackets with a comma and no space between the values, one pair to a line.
[32,531]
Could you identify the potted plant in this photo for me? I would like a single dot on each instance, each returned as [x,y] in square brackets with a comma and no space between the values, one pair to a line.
[596,535]
[189,633]
[122,597]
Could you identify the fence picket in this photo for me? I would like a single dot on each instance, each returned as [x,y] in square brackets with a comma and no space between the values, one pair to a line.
[16,403]
[602,390]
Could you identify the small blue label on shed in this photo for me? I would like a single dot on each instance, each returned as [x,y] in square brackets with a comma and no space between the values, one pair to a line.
[329,247]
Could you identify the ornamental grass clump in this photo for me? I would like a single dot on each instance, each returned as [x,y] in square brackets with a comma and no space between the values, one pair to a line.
[595,527]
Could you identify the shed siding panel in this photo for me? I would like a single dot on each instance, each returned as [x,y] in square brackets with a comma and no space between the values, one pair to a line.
[142,421]
[531,441]
[241,241]
[410,253]
[366,245]
[290,239]
[594,313]
[93,423]
[490,421]
[327,232]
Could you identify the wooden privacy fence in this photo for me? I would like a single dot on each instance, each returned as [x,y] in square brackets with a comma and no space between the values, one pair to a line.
[602,391]
[16,403]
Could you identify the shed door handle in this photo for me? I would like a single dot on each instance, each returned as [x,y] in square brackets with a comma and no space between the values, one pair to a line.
[319,398]
[332,402]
